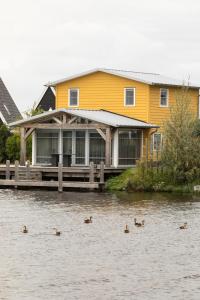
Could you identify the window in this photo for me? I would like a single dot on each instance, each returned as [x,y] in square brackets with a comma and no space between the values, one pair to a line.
[80,147]
[157,141]
[164,97]
[97,147]
[129,146]
[73,97]
[47,144]
[129,96]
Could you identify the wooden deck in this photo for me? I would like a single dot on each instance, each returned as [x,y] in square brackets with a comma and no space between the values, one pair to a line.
[61,178]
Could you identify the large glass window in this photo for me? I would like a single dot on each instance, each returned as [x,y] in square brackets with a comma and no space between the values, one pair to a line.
[129,146]
[73,97]
[97,147]
[80,147]
[47,144]
[67,142]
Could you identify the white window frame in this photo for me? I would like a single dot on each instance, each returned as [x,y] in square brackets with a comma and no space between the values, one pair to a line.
[167,104]
[161,137]
[73,89]
[129,88]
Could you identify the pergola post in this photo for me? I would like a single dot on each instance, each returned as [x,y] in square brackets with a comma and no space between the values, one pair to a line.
[108,147]
[22,146]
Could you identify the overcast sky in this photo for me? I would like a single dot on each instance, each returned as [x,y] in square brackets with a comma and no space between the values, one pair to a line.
[45,40]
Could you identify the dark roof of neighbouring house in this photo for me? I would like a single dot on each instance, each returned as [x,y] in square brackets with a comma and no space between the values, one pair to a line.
[8,109]
[47,100]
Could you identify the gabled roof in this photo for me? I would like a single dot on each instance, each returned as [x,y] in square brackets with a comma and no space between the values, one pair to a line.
[148,78]
[8,109]
[100,116]
[47,100]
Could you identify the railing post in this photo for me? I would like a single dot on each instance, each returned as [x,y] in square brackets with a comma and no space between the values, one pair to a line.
[7,170]
[16,170]
[28,175]
[102,172]
[91,172]
[60,177]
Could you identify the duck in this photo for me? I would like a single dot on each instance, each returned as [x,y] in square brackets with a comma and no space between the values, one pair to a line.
[87,221]
[24,229]
[184,226]
[57,232]
[139,224]
[126,230]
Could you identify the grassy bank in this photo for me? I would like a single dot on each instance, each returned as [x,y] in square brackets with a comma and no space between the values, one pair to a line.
[137,179]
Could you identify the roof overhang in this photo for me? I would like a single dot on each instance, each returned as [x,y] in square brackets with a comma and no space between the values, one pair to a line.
[98,116]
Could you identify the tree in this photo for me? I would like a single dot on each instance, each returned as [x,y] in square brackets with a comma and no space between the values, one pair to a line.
[34,110]
[181,147]
[4,134]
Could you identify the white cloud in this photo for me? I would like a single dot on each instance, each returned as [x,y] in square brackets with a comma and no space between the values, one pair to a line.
[46,40]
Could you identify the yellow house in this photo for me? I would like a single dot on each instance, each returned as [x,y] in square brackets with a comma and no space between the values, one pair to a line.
[139,95]
[105,115]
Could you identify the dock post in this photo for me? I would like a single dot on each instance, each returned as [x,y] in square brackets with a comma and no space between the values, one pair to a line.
[28,175]
[16,172]
[102,172]
[7,170]
[60,177]
[91,172]
[101,182]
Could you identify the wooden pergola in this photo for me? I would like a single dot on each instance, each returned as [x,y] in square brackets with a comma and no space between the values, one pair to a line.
[63,121]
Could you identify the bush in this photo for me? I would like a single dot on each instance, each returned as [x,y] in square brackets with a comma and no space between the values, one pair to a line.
[4,134]
[13,147]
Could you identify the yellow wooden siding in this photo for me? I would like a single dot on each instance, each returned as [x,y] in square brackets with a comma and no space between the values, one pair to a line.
[105,91]
[157,114]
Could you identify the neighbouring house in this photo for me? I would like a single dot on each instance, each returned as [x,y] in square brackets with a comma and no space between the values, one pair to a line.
[47,101]
[103,115]
[8,109]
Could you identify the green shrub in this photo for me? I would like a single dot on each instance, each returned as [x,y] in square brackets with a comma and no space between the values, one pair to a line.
[4,134]
[13,147]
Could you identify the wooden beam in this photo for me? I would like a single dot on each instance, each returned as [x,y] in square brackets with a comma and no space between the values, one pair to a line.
[108,147]
[102,134]
[22,146]
[64,126]
[29,132]
[57,120]
[72,120]
[64,119]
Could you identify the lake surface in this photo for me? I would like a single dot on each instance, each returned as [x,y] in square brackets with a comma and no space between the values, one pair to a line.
[98,261]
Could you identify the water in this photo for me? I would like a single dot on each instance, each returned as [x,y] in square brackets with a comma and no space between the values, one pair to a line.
[98,261]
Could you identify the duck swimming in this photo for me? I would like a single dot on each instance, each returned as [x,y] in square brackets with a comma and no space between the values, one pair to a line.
[139,224]
[87,221]
[57,232]
[24,229]
[126,230]
[184,226]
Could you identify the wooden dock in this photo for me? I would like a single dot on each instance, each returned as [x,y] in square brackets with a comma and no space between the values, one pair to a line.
[60,178]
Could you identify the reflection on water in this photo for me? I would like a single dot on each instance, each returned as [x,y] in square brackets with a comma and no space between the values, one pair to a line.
[98,261]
